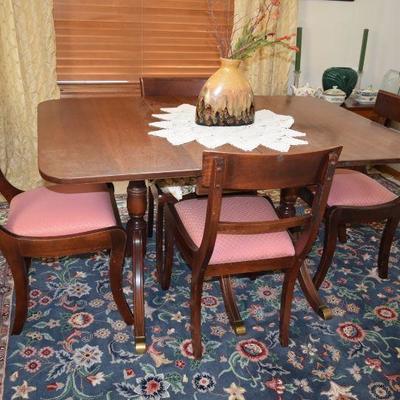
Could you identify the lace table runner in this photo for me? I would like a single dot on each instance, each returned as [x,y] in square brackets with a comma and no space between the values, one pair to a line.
[269,129]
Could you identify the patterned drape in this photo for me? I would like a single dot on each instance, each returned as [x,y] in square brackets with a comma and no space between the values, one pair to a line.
[27,77]
[268,69]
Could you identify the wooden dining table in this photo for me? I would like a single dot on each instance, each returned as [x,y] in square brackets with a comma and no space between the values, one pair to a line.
[86,140]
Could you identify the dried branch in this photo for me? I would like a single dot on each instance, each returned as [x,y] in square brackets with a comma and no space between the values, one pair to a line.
[255,32]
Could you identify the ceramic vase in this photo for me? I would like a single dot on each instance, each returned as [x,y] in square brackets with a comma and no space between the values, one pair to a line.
[342,77]
[226,99]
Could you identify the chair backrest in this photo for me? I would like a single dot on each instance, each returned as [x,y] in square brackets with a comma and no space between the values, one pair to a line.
[388,107]
[230,171]
[171,86]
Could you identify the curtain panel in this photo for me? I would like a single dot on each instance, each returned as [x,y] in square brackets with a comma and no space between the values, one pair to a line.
[268,70]
[27,77]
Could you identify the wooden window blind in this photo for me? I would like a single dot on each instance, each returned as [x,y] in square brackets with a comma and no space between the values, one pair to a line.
[117,41]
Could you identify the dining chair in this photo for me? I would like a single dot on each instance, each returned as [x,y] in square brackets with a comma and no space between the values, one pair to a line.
[356,198]
[224,235]
[387,107]
[165,86]
[58,221]
[171,86]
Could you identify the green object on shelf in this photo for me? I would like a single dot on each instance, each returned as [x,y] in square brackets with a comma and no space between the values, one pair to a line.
[342,77]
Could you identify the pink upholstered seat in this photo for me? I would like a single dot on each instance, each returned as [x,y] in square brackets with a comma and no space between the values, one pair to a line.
[352,188]
[236,248]
[60,210]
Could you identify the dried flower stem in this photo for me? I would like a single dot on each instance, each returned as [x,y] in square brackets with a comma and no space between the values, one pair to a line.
[255,31]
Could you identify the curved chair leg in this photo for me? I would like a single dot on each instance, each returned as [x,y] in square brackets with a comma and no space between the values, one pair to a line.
[165,271]
[159,240]
[129,239]
[342,235]
[286,306]
[196,292]
[253,276]
[117,257]
[18,269]
[386,244]
[311,294]
[28,262]
[230,306]
[330,239]
[150,213]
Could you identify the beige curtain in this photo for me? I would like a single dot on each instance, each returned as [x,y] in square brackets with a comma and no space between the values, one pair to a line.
[268,69]
[27,77]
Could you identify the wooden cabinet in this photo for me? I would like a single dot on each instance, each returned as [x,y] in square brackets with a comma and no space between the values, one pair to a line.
[365,110]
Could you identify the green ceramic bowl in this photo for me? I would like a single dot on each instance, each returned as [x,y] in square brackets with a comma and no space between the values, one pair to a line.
[342,77]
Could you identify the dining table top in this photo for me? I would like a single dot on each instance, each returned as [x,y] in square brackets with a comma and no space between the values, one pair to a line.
[102,139]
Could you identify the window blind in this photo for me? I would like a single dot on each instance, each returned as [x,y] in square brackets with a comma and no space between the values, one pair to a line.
[117,41]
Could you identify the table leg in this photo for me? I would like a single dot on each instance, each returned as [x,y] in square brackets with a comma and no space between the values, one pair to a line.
[288,200]
[136,230]
[287,209]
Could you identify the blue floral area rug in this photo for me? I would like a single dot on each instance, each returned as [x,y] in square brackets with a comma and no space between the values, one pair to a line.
[75,345]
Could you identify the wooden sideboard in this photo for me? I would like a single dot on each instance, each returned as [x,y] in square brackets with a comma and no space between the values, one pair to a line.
[365,110]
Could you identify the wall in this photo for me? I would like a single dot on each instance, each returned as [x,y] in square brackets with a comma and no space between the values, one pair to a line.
[332,34]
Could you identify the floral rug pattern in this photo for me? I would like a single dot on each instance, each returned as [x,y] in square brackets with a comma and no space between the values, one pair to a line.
[75,345]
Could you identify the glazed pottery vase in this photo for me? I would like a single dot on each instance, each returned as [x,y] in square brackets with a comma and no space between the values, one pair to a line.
[226,99]
[342,77]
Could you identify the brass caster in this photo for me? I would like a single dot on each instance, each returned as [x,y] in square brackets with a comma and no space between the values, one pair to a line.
[325,312]
[239,328]
[140,344]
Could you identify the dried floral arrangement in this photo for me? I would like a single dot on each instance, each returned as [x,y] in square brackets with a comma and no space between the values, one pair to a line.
[250,33]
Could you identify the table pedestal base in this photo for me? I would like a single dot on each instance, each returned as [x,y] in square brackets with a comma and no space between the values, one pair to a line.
[136,232]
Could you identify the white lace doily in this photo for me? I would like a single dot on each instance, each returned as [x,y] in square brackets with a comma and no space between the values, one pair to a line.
[271,130]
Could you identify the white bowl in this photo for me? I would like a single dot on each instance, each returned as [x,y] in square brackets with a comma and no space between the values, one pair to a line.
[367,93]
[338,100]
[366,100]
[334,96]
[366,96]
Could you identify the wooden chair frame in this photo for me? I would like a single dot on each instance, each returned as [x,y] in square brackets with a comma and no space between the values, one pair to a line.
[228,171]
[171,86]
[166,86]
[18,251]
[387,106]
[337,218]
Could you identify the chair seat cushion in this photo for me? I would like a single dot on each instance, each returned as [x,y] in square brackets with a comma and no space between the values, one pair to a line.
[353,188]
[236,248]
[60,210]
